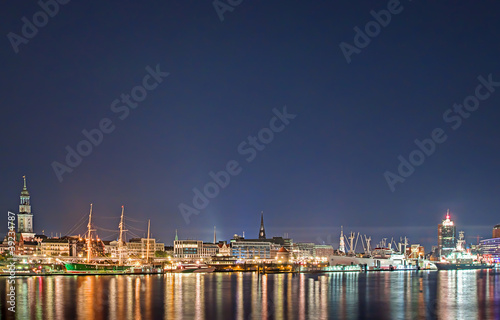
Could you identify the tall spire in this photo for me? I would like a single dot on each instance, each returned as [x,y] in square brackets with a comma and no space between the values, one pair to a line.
[176,238]
[342,245]
[262,231]
[24,192]
[25,217]
[215,238]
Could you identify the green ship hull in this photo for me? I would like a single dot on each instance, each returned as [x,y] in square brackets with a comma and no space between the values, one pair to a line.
[95,268]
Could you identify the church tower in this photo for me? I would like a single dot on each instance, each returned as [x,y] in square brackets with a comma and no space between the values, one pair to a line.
[25,218]
[262,232]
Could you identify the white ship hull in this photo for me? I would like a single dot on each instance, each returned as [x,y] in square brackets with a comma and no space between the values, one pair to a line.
[372,263]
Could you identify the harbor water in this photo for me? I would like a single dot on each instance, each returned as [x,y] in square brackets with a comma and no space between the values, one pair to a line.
[466,294]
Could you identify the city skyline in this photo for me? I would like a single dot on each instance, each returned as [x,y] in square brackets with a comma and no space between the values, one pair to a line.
[25,208]
[309,116]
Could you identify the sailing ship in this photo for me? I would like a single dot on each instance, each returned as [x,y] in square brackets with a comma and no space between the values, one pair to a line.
[92,266]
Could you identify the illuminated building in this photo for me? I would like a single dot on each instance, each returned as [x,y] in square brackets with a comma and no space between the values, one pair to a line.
[194,249]
[446,236]
[138,247]
[250,249]
[491,247]
[496,231]
[54,247]
[262,247]
[323,250]
[224,248]
[303,249]
[25,217]
[283,256]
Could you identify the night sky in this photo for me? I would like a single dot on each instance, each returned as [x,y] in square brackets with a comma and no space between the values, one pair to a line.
[226,82]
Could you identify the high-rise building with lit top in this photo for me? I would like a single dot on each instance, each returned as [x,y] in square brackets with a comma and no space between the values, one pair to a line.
[446,236]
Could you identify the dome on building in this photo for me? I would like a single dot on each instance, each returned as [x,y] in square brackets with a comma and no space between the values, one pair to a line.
[282,249]
[497,226]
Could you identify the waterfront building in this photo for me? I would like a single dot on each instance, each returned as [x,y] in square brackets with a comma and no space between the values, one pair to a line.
[275,249]
[21,246]
[496,231]
[54,247]
[112,249]
[224,248]
[188,249]
[209,249]
[248,248]
[251,249]
[303,250]
[138,247]
[262,247]
[323,250]
[283,256]
[77,246]
[194,249]
[28,248]
[446,236]
[25,216]
[491,248]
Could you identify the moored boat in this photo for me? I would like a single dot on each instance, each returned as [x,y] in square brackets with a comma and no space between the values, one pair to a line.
[91,266]
[192,268]
[462,266]
[461,259]
[95,268]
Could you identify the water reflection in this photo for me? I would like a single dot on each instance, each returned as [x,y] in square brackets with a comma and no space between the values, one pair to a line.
[386,295]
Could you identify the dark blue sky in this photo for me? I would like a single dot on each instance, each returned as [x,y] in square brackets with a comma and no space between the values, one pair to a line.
[325,169]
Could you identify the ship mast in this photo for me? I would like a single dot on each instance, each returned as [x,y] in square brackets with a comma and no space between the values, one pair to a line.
[147,251]
[120,241]
[89,235]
